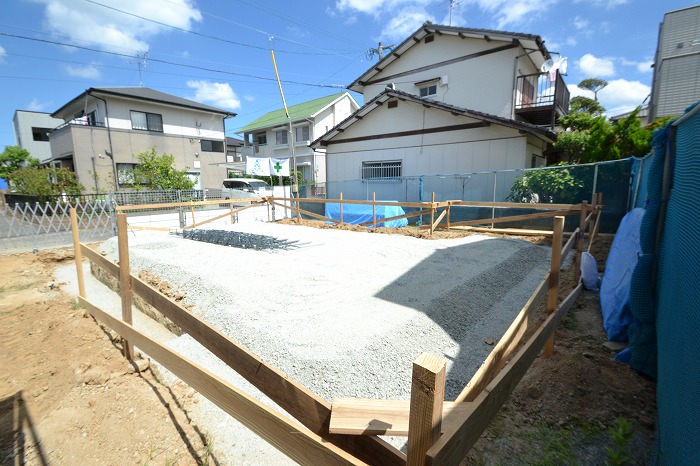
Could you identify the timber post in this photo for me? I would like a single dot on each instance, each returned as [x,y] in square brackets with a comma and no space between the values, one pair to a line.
[553,293]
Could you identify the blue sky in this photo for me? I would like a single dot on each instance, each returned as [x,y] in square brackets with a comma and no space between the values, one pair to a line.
[218,51]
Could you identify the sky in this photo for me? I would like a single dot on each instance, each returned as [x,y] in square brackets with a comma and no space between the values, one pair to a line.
[218,52]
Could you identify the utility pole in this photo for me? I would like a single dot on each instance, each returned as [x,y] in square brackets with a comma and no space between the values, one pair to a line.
[379,50]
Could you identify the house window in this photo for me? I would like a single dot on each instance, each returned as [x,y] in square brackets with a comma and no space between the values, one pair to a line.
[428,91]
[392,104]
[125,173]
[146,121]
[260,139]
[381,170]
[281,137]
[301,133]
[40,134]
[208,145]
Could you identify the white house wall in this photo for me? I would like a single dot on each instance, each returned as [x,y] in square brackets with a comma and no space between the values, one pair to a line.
[176,121]
[482,149]
[482,83]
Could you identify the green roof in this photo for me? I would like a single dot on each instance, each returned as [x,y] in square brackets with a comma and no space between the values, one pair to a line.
[302,110]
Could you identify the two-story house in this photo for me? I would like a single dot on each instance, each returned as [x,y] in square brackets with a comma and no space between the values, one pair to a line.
[449,100]
[104,128]
[676,64]
[268,136]
[32,133]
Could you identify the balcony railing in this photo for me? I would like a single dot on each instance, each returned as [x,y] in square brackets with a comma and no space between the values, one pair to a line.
[80,122]
[541,100]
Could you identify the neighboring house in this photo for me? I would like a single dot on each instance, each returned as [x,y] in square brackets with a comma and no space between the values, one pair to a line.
[104,128]
[449,100]
[268,136]
[32,133]
[676,82]
[235,162]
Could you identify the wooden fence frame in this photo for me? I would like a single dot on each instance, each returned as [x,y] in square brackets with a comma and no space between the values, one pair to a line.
[438,212]
[439,432]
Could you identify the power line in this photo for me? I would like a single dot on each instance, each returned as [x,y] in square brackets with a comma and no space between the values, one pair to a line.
[207,36]
[167,62]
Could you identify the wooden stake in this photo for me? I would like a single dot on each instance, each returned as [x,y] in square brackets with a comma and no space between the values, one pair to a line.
[125,279]
[427,396]
[77,252]
[580,243]
[553,294]
[341,207]
[374,210]
[192,210]
[432,213]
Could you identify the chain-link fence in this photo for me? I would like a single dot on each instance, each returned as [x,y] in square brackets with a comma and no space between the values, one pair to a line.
[570,184]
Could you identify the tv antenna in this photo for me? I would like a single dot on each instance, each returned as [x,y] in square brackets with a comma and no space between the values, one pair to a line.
[141,63]
[453,3]
[379,51]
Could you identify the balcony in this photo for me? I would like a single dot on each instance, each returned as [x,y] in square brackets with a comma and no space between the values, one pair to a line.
[539,100]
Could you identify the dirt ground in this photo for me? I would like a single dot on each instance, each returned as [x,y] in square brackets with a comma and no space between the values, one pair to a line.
[78,401]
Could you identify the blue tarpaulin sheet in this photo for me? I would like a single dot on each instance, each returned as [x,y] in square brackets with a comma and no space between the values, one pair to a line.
[355,214]
[616,283]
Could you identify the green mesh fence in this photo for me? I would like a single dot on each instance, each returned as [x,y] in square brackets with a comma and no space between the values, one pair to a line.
[559,184]
[677,297]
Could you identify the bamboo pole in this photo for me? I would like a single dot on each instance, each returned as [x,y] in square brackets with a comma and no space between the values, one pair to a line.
[553,293]
[77,252]
[425,416]
[125,279]
[341,207]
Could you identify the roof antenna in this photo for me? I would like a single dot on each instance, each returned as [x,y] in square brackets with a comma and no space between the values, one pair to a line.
[452,5]
[141,62]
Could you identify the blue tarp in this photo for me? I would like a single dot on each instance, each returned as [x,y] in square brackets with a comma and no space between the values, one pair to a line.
[616,284]
[3,184]
[355,214]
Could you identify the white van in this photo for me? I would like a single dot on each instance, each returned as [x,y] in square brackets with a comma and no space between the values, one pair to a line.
[241,188]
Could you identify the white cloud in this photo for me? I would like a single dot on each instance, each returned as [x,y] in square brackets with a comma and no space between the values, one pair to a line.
[85,71]
[96,26]
[218,94]
[621,95]
[594,67]
[580,23]
[405,22]
[370,7]
[249,98]
[37,106]
[575,91]
[645,66]
[607,4]
[509,12]
[3,53]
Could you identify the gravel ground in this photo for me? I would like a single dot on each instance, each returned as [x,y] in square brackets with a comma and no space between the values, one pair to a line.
[344,313]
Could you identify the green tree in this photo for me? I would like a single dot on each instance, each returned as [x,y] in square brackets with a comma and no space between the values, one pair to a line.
[156,172]
[594,85]
[546,185]
[45,182]
[14,158]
